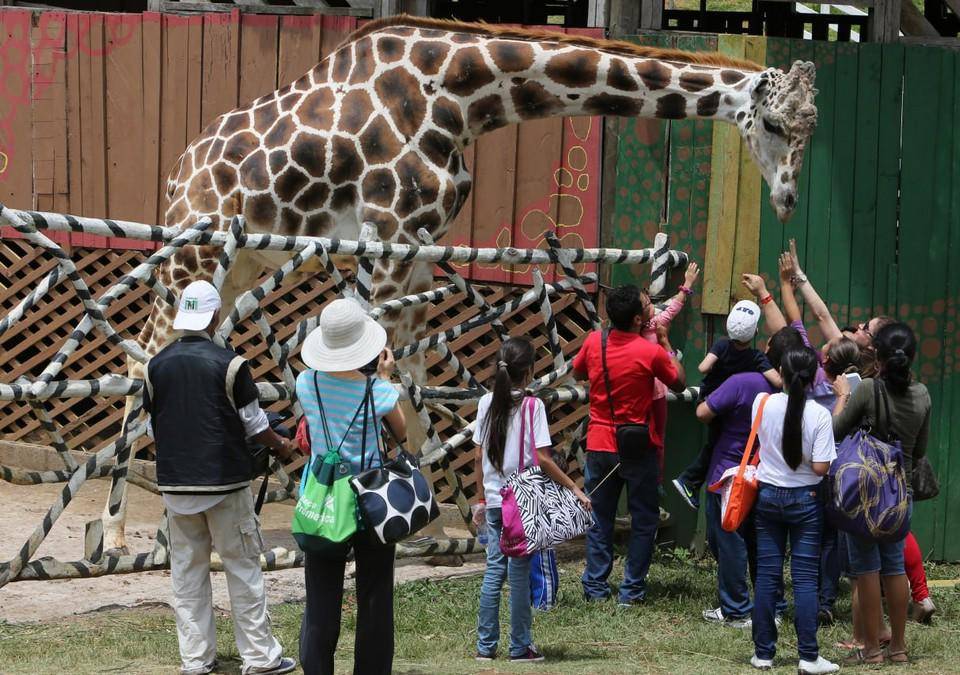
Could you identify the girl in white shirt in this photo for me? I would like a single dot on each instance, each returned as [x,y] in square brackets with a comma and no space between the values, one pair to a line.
[498,435]
[796,448]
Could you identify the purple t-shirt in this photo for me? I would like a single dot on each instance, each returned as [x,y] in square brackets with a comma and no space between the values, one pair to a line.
[732,402]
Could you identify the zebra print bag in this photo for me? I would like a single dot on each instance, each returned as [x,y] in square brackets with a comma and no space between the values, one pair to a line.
[537,513]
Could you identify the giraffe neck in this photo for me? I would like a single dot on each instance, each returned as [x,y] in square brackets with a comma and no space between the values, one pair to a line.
[537,80]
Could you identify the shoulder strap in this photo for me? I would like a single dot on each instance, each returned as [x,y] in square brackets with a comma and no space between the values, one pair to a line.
[146,379]
[751,441]
[323,418]
[606,375]
[531,408]
[523,433]
[880,392]
[232,368]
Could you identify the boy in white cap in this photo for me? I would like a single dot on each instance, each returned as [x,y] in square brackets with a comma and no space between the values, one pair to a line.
[202,405]
[726,357]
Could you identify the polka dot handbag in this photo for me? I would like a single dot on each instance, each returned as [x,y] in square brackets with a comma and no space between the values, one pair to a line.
[395,498]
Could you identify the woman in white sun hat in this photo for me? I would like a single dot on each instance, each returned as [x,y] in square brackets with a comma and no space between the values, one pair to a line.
[343,353]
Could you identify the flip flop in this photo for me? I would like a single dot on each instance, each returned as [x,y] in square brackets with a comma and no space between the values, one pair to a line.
[899,653]
[859,658]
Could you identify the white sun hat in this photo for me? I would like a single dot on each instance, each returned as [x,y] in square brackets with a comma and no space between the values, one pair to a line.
[345,339]
[742,321]
[198,303]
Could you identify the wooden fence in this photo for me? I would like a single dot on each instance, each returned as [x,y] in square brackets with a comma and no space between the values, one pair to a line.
[96,108]
[877,225]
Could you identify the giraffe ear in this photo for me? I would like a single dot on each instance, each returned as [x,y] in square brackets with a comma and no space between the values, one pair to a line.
[760,88]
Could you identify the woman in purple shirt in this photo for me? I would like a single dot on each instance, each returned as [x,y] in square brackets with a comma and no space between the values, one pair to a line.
[732,403]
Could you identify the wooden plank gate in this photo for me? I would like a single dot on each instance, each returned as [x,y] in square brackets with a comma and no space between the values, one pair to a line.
[877,225]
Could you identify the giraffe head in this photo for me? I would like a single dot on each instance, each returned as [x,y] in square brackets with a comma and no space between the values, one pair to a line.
[776,123]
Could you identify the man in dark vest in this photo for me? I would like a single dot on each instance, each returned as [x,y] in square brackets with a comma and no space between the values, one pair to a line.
[203,407]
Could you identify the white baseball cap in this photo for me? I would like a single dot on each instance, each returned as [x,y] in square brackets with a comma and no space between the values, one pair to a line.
[742,321]
[198,303]
[345,338]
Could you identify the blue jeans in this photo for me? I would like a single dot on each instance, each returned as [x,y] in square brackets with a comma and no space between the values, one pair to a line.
[499,568]
[640,478]
[797,514]
[731,550]
[830,566]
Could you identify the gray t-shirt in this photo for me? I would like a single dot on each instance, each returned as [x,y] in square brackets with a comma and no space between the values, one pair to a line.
[909,419]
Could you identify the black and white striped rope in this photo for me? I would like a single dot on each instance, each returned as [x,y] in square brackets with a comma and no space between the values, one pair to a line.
[663,260]
[364,285]
[463,374]
[53,434]
[30,301]
[110,385]
[228,253]
[131,431]
[161,291]
[474,297]
[546,311]
[564,260]
[414,300]
[432,442]
[503,309]
[336,246]
[250,300]
[94,309]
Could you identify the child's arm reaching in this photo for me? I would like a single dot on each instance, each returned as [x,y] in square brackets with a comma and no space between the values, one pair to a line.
[773,377]
[708,361]
[551,469]
[675,304]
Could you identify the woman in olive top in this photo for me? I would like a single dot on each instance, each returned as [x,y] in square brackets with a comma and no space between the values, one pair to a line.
[909,421]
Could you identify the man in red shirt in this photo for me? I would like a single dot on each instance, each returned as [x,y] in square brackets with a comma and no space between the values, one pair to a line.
[632,365]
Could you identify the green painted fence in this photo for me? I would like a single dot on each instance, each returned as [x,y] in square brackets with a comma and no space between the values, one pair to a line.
[877,222]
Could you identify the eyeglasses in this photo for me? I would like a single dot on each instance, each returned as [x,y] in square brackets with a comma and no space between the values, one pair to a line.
[858,328]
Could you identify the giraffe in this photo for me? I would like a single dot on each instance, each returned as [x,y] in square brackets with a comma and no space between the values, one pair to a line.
[375,133]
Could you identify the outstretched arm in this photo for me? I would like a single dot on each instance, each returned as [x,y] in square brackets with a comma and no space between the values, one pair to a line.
[787,296]
[772,315]
[675,304]
[816,304]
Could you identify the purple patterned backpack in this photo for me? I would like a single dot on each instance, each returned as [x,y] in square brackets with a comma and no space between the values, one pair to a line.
[866,490]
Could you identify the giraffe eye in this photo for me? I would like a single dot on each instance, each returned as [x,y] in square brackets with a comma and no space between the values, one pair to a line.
[772,128]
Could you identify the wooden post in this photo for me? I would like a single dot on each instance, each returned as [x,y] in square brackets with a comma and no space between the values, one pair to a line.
[625,17]
[884,23]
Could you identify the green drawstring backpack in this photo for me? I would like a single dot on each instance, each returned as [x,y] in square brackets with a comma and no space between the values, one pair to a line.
[326,514]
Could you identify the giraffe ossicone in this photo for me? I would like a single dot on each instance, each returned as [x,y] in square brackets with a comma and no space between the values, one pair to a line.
[375,133]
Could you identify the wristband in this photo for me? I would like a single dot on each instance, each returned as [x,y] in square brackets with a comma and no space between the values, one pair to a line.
[672,353]
[687,291]
[481,501]
[768,299]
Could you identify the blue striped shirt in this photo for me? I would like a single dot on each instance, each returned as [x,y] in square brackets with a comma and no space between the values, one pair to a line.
[341,398]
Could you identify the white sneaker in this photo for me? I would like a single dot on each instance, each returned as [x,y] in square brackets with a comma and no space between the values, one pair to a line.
[717,616]
[761,664]
[818,667]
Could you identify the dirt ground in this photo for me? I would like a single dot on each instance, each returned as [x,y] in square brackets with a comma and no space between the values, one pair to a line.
[22,508]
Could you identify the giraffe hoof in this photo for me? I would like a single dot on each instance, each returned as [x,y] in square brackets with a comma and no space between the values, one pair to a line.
[116,552]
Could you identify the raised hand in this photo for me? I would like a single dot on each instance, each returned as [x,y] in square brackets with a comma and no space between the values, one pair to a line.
[690,276]
[787,268]
[755,284]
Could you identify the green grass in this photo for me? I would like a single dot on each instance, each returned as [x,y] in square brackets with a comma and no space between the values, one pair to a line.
[435,633]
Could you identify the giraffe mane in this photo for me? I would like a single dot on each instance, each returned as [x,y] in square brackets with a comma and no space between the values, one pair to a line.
[535,35]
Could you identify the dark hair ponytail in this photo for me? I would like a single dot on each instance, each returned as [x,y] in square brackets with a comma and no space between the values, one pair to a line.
[514,363]
[896,346]
[799,368]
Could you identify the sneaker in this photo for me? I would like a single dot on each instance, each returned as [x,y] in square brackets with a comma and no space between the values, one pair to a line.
[530,656]
[761,664]
[286,665]
[595,598]
[485,657]
[716,616]
[689,496]
[202,670]
[923,610]
[818,667]
[627,604]
[824,617]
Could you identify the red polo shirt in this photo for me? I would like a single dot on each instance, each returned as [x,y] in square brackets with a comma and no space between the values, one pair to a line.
[633,364]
